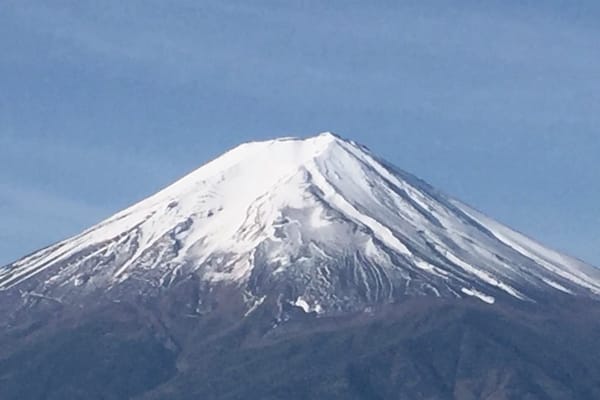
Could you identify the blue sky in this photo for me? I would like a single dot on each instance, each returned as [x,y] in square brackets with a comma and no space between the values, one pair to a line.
[103,103]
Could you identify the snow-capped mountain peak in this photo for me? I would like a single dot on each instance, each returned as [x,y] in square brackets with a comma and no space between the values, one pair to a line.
[320,223]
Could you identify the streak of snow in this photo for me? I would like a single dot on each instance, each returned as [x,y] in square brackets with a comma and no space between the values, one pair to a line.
[481,296]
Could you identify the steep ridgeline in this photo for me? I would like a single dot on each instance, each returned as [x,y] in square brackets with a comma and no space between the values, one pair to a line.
[319,223]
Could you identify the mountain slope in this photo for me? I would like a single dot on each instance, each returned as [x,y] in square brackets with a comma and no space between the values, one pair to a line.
[299,268]
[320,223]
[419,350]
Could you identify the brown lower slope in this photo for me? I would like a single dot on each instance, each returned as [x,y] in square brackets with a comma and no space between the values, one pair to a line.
[417,349]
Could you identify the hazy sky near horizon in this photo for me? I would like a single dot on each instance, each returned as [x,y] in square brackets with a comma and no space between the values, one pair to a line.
[496,102]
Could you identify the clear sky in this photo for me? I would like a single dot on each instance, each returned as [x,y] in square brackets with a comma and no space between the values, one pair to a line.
[104,102]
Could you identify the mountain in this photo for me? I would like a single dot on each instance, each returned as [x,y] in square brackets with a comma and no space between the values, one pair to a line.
[284,252]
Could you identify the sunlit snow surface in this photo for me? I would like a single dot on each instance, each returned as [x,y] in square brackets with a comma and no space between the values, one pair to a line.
[323,216]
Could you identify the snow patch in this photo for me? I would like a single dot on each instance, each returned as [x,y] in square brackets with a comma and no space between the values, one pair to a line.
[304,305]
[481,296]
[557,286]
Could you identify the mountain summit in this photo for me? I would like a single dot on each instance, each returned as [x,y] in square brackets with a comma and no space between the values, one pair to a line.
[318,223]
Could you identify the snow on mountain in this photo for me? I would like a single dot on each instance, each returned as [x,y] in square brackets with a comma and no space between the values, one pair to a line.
[319,223]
